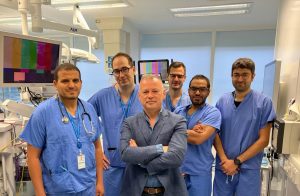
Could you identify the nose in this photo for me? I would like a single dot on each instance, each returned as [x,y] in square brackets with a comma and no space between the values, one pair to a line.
[71,84]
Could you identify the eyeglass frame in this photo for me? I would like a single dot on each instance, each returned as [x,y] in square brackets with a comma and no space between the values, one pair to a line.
[124,70]
[200,89]
[179,76]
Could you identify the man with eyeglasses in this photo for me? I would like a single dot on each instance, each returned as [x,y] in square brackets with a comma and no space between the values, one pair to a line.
[247,116]
[203,121]
[113,105]
[153,144]
[175,96]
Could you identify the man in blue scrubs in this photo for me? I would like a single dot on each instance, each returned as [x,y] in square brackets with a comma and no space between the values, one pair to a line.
[247,117]
[175,96]
[64,150]
[203,121]
[113,105]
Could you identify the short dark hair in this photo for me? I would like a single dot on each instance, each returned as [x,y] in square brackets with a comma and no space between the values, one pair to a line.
[243,63]
[65,66]
[130,61]
[200,77]
[176,64]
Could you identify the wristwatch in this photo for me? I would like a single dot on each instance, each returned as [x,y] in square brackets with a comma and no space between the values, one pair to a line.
[237,162]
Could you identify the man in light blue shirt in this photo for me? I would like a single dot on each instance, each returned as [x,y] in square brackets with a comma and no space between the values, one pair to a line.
[247,116]
[203,121]
[113,105]
[175,96]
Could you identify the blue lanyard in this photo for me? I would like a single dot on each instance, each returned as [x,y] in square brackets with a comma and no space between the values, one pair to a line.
[169,103]
[123,105]
[76,129]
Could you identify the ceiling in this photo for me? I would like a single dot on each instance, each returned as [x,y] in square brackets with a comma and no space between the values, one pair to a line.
[154,16]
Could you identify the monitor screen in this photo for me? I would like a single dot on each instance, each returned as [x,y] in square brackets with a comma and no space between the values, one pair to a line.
[27,61]
[159,67]
[271,81]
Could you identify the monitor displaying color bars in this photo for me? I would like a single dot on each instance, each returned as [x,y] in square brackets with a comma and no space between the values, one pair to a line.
[157,67]
[27,60]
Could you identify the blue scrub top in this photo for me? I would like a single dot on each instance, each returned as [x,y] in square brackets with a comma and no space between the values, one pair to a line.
[199,159]
[112,111]
[46,131]
[241,125]
[183,101]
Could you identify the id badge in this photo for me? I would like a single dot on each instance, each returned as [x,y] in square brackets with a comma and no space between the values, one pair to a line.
[81,161]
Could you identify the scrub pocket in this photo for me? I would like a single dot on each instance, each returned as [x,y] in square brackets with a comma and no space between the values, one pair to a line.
[114,157]
[59,183]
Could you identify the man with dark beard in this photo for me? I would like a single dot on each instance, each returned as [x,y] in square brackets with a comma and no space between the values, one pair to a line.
[203,121]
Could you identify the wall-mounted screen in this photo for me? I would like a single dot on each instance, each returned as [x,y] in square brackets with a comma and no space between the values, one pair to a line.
[271,83]
[159,67]
[27,60]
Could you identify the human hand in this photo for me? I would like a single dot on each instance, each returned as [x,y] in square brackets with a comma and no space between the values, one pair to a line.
[106,162]
[199,128]
[228,167]
[100,189]
[132,143]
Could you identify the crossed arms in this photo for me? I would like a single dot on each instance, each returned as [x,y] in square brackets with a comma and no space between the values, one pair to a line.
[153,157]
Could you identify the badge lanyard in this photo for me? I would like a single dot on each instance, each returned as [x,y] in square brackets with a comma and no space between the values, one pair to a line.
[76,129]
[124,108]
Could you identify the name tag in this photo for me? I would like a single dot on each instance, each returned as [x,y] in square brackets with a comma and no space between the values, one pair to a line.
[81,161]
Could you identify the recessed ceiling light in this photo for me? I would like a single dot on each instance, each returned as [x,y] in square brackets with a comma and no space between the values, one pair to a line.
[211,13]
[211,8]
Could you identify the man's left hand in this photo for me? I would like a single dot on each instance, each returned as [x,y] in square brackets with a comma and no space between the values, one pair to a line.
[132,143]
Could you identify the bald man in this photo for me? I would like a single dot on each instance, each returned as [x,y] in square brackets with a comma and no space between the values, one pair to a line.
[153,144]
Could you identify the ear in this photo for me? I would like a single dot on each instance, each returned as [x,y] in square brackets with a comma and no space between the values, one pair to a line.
[253,76]
[55,83]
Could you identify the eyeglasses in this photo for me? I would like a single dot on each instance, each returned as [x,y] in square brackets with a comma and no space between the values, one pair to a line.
[179,76]
[200,89]
[243,75]
[124,70]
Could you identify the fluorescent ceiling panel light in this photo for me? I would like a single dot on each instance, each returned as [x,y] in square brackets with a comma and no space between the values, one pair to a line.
[210,8]
[58,2]
[211,13]
[86,7]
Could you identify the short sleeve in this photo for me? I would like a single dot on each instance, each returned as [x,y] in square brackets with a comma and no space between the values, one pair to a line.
[35,130]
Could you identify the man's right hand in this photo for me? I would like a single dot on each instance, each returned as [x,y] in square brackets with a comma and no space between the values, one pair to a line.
[106,162]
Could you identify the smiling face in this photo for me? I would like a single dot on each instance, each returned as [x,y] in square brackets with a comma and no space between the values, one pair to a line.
[151,94]
[198,91]
[68,84]
[123,72]
[242,79]
[176,78]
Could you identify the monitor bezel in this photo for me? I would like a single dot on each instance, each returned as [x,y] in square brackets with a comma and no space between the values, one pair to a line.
[147,61]
[28,37]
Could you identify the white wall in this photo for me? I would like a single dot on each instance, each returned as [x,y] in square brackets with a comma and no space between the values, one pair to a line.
[288,50]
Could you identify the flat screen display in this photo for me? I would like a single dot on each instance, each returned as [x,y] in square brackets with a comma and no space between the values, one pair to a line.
[157,67]
[27,61]
[271,83]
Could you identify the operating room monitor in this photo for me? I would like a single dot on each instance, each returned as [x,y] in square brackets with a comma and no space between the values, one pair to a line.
[27,60]
[271,82]
[159,67]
